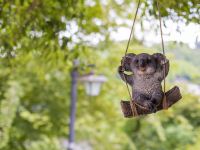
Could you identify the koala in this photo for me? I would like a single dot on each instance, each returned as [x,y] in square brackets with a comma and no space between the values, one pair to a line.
[145,80]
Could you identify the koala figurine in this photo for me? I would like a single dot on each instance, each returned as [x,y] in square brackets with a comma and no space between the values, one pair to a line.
[148,73]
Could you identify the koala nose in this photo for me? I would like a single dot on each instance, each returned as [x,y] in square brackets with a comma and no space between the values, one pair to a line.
[142,63]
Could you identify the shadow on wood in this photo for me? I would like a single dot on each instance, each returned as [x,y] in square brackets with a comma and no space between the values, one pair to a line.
[172,96]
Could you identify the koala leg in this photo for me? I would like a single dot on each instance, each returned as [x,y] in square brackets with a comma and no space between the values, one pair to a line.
[145,101]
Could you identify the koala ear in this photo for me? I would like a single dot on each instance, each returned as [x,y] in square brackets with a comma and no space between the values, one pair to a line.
[159,57]
[126,60]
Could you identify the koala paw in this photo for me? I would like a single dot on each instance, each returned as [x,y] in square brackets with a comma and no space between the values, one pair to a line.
[120,69]
[151,106]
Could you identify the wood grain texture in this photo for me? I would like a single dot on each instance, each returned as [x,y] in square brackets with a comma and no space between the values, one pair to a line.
[172,96]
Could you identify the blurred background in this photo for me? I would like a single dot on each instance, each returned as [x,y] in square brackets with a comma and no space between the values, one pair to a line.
[40,40]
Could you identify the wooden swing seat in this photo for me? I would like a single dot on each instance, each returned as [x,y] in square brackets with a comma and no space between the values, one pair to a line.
[172,96]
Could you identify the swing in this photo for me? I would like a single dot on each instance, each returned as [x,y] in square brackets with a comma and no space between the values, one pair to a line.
[133,109]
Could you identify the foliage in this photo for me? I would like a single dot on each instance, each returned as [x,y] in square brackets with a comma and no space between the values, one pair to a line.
[39,41]
[184,10]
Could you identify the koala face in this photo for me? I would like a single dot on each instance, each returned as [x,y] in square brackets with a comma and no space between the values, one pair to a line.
[143,64]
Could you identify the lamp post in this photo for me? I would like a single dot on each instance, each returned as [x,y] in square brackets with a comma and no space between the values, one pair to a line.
[74,76]
[92,86]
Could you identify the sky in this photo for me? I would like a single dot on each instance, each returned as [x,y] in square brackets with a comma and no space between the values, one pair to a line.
[172,31]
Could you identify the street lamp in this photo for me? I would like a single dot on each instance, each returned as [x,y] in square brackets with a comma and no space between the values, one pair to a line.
[92,86]
[93,83]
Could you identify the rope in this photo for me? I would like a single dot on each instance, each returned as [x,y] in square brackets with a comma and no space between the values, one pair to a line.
[132,28]
[134,104]
[133,108]
[163,49]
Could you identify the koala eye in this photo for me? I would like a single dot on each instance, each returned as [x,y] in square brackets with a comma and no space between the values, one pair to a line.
[148,60]
[136,61]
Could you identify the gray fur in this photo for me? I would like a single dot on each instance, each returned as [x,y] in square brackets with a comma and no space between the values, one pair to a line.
[148,73]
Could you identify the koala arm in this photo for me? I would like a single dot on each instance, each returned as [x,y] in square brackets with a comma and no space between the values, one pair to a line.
[125,77]
[166,67]
[162,63]
[160,72]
